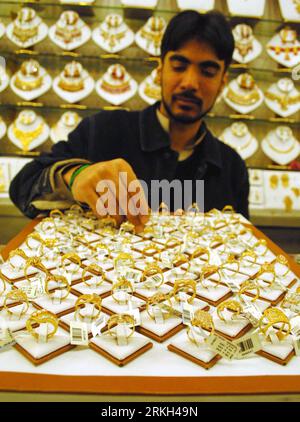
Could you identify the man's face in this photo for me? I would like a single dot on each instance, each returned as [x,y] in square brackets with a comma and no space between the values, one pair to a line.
[192,77]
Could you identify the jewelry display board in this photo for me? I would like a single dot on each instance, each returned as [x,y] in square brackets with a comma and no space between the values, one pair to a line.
[176,365]
[60,57]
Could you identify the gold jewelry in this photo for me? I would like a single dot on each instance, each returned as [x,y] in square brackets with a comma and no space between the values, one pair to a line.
[56,214]
[202,319]
[74,258]
[271,318]
[153,30]
[231,305]
[199,252]
[231,260]
[250,94]
[71,79]
[281,259]
[297,5]
[247,286]
[119,75]
[262,242]
[155,273]
[206,271]
[117,319]
[18,296]
[243,35]
[267,269]
[3,283]
[17,252]
[284,101]
[157,300]
[282,151]
[28,85]
[47,223]
[21,29]
[50,244]
[181,259]
[96,269]
[185,286]
[84,300]
[36,263]
[127,227]
[108,222]
[121,285]
[33,236]
[66,28]
[123,260]
[100,246]
[172,242]
[42,317]
[250,254]
[148,250]
[62,284]
[26,138]
[274,181]
[288,203]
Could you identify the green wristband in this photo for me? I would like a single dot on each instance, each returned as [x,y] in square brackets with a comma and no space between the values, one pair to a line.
[75,174]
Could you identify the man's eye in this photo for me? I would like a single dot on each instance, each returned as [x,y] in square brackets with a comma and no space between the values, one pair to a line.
[179,67]
[210,73]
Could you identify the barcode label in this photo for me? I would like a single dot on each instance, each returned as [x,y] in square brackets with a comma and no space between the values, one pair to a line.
[133,276]
[98,325]
[187,313]
[158,314]
[79,333]
[248,344]
[6,339]
[251,312]
[121,332]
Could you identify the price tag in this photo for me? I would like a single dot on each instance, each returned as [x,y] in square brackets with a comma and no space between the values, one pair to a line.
[166,259]
[223,347]
[158,314]
[233,285]
[251,312]
[31,291]
[135,313]
[214,258]
[187,313]
[151,282]
[248,344]
[134,276]
[79,333]
[98,325]
[6,339]
[296,338]
[273,337]
[121,332]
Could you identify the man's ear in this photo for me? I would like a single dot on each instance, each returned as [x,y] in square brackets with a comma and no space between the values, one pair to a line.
[159,71]
[223,82]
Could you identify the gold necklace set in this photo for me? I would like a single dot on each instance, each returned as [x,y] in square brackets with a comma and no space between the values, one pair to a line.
[26,138]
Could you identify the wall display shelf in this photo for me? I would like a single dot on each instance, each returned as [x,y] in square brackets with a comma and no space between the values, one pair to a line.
[102,33]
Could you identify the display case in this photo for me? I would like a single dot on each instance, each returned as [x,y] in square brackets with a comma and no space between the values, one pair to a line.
[69,58]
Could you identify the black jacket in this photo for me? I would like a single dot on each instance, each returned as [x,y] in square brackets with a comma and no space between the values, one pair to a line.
[137,137]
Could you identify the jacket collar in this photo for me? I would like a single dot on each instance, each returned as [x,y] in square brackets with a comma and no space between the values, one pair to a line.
[157,138]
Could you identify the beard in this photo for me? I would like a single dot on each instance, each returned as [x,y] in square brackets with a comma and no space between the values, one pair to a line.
[185,118]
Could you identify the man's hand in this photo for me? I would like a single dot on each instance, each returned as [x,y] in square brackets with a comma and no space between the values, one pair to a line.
[84,189]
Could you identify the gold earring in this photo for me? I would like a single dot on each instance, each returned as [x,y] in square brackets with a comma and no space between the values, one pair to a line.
[274,181]
[285,180]
[288,203]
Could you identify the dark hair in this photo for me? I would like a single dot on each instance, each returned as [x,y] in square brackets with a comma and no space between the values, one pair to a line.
[211,28]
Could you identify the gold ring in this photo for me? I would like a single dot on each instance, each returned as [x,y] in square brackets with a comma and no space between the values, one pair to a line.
[42,317]
[149,248]
[231,260]
[185,286]
[18,296]
[36,263]
[84,300]
[62,284]
[206,271]
[247,286]
[3,283]
[181,259]
[108,222]
[90,269]
[122,285]
[123,260]
[282,260]
[155,272]
[117,319]
[127,227]
[12,254]
[50,244]
[56,213]
[157,300]
[202,319]
[272,317]
[250,254]
[262,242]
[33,236]
[47,223]
[231,305]
[71,256]
[267,269]
[198,252]
[99,246]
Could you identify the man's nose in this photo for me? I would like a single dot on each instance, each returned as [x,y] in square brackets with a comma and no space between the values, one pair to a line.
[190,80]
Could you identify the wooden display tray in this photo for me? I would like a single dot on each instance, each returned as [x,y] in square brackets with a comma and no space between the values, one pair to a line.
[125,361]
[275,358]
[214,303]
[205,365]
[144,385]
[77,293]
[45,358]
[59,314]
[156,337]
[239,335]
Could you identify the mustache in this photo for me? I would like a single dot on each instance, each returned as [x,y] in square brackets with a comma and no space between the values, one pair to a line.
[189,95]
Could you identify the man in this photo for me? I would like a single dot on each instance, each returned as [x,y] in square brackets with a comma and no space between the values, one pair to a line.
[166,141]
